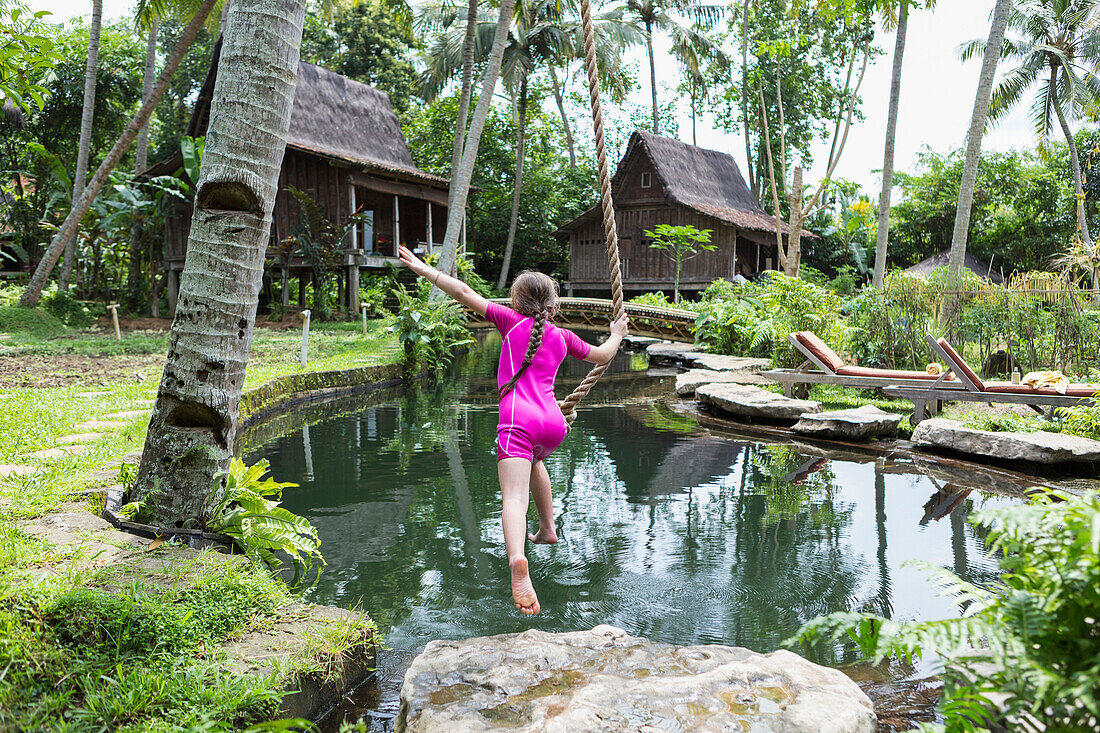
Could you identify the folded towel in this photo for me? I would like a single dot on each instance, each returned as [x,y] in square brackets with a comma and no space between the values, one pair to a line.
[1057,380]
[934,369]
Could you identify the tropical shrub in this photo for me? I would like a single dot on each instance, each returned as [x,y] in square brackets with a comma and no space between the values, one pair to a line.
[656,298]
[248,510]
[755,319]
[431,333]
[1032,639]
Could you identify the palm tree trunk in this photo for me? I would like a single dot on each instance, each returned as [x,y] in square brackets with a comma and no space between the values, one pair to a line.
[194,422]
[135,271]
[652,74]
[461,183]
[564,117]
[883,235]
[517,189]
[81,175]
[754,184]
[69,227]
[1075,161]
[974,136]
[141,145]
[464,98]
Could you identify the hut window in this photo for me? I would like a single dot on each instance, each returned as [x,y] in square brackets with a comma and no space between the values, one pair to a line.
[647,179]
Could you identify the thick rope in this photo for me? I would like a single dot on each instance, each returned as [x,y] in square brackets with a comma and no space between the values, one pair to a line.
[569,404]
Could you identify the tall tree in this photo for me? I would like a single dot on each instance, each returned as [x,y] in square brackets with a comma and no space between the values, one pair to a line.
[855,23]
[194,421]
[80,177]
[660,15]
[80,207]
[897,15]
[1056,49]
[460,179]
[974,135]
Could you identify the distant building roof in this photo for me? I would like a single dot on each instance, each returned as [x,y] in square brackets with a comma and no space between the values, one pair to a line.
[970,262]
[707,181]
[333,116]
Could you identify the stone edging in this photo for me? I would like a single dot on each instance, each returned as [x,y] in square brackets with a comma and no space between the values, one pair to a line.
[291,390]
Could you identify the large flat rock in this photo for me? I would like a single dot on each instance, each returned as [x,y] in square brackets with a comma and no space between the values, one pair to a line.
[602,681]
[724,363]
[687,382]
[742,400]
[858,423]
[1045,448]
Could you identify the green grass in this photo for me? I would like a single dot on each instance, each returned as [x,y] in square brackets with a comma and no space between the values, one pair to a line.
[120,649]
[34,323]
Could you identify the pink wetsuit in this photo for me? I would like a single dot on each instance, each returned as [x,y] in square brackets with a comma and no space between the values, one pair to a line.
[531,425]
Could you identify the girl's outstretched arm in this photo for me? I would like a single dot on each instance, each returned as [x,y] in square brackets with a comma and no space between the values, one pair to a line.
[606,351]
[452,286]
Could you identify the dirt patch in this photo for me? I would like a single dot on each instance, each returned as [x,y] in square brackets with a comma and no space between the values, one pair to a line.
[128,324]
[60,370]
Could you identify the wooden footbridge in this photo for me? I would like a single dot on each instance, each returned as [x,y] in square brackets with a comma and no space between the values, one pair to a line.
[594,314]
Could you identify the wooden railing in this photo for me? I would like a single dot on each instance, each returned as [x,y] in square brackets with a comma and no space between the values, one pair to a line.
[594,314]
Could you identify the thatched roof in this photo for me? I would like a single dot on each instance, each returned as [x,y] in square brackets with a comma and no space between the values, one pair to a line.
[707,181]
[333,117]
[970,262]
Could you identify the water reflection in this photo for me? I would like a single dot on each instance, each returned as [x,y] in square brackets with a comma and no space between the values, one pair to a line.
[666,531]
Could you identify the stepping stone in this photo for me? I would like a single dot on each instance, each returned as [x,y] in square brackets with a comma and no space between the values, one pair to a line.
[80,438]
[127,415]
[92,395]
[104,474]
[672,353]
[742,400]
[723,363]
[859,423]
[687,382]
[53,454]
[101,425]
[9,469]
[1041,447]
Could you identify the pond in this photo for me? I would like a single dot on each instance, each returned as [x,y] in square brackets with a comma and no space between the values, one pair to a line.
[667,530]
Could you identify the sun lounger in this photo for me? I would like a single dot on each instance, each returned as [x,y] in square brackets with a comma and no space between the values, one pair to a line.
[977,390]
[831,369]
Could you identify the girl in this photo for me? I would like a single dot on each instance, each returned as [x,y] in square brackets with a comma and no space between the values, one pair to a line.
[531,425]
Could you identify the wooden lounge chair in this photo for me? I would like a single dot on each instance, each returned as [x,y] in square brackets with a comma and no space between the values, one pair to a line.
[831,369]
[979,391]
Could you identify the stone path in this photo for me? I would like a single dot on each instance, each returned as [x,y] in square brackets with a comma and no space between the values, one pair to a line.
[1040,447]
[8,469]
[744,400]
[80,438]
[858,423]
[687,382]
[56,454]
[127,415]
[100,425]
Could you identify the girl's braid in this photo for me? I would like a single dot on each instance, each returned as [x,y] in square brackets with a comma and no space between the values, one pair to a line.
[537,330]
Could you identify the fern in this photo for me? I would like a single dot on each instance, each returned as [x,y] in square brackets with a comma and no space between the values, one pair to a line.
[1033,638]
[247,509]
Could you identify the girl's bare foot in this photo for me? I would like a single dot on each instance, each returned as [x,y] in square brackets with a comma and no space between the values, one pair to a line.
[544,536]
[523,593]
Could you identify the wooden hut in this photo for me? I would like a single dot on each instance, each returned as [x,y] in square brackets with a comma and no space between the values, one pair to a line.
[345,149]
[665,181]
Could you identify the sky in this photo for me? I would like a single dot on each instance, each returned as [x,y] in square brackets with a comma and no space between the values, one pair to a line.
[937,93]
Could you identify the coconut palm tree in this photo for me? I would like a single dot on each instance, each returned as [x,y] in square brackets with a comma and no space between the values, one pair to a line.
[542,34]
[1055,47]
[896,13]
[460,178]
[660,15]
[974,136]
[81,175]
[191,431]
